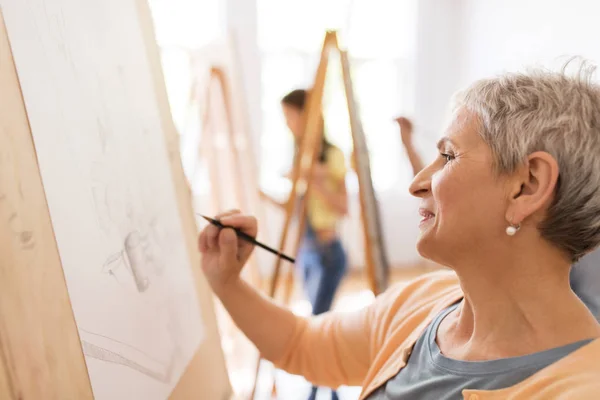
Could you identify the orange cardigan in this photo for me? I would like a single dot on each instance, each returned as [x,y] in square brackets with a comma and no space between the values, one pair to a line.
[370,346]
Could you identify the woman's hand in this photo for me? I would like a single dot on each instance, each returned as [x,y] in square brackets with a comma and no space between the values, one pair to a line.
[223,255]
[267,325]
[406,133]
[406,129]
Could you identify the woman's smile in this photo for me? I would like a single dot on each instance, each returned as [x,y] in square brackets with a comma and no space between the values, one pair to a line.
[426,217]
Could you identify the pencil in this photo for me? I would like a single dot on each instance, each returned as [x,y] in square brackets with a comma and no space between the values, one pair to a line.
[248,238]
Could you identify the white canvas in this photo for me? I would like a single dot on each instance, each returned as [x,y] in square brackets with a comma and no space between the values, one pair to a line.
[94,116]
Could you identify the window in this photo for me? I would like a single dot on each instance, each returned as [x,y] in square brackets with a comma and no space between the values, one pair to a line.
[380,38]
[182,26]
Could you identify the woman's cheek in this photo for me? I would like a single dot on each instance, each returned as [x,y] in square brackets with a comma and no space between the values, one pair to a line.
[445,190]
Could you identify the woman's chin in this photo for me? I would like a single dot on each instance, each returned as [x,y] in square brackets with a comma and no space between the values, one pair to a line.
[425,243]
[426,230]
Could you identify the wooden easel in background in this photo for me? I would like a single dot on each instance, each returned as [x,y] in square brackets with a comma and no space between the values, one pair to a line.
[214,150]
[226,138]
[377,265]
[226,147]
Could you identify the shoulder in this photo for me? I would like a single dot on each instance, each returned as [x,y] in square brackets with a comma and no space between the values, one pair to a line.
[573,377]
[580,390]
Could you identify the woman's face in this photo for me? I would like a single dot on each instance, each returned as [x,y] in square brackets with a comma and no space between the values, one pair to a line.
[293,119]
[463,201]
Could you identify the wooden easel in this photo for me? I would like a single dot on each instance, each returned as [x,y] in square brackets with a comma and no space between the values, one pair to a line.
[376,259]
[210,149]
[226,137]
[226,143]
[36,324]
[40,351]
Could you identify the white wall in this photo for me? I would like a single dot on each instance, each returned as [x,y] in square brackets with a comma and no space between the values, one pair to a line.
[508,35]
[463,40]
[438,65]
[241,22]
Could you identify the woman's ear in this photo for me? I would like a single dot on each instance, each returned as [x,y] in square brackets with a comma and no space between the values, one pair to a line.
[535,187]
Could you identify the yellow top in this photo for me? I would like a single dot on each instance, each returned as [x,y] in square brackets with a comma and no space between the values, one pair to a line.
[320,214]
[370,346]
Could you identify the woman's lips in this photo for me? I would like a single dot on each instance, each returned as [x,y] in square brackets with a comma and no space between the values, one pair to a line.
[426,215]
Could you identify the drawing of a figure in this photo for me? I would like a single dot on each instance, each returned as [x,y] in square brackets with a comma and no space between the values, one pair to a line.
[137,260]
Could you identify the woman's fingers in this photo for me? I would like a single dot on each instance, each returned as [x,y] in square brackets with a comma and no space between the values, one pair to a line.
[202,241]
[245,223]
[209,238]
[212,234]
[227,213]
[215,230]
[228,249]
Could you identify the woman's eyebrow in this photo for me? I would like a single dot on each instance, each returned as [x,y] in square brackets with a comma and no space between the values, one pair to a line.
[443,141]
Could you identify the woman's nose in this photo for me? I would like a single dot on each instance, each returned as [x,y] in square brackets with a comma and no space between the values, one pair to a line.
[421,184]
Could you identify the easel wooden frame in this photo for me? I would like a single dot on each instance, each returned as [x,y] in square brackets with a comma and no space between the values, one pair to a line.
[377,265]
[209,148]
[40,350]
[218,65]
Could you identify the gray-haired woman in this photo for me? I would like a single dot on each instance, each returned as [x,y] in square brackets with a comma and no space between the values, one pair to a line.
[585,274]
[512,200]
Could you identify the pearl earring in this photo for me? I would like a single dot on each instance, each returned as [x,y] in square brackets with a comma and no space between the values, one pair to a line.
[511,230]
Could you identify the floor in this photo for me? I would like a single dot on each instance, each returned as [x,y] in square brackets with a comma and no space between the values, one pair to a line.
[242,357]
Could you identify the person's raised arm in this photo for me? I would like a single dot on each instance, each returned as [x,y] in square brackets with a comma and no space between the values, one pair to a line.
[271,200]
[332,349]
[406,132]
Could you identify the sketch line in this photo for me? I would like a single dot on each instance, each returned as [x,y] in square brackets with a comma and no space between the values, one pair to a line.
[100,353]
[138,259]
[121,343]
[107,267]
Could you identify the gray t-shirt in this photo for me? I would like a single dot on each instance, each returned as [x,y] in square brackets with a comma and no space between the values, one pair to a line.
[429,375]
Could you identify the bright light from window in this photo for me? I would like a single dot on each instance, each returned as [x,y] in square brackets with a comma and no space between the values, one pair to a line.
[182,25]
[382,29]
[380,36]
[298,25]
[186,23]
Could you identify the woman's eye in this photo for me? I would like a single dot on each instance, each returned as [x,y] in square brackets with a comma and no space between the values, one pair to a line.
[447,157]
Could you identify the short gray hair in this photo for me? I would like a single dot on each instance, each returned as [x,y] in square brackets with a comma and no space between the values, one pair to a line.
[520,113]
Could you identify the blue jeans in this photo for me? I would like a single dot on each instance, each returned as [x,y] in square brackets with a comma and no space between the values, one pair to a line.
[323,265]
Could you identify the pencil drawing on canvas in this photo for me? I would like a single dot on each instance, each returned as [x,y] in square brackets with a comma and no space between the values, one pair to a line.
[152,368]
[137,260]
[101,149]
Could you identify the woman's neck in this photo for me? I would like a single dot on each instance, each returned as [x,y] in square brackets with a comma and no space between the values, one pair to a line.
[520,304]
